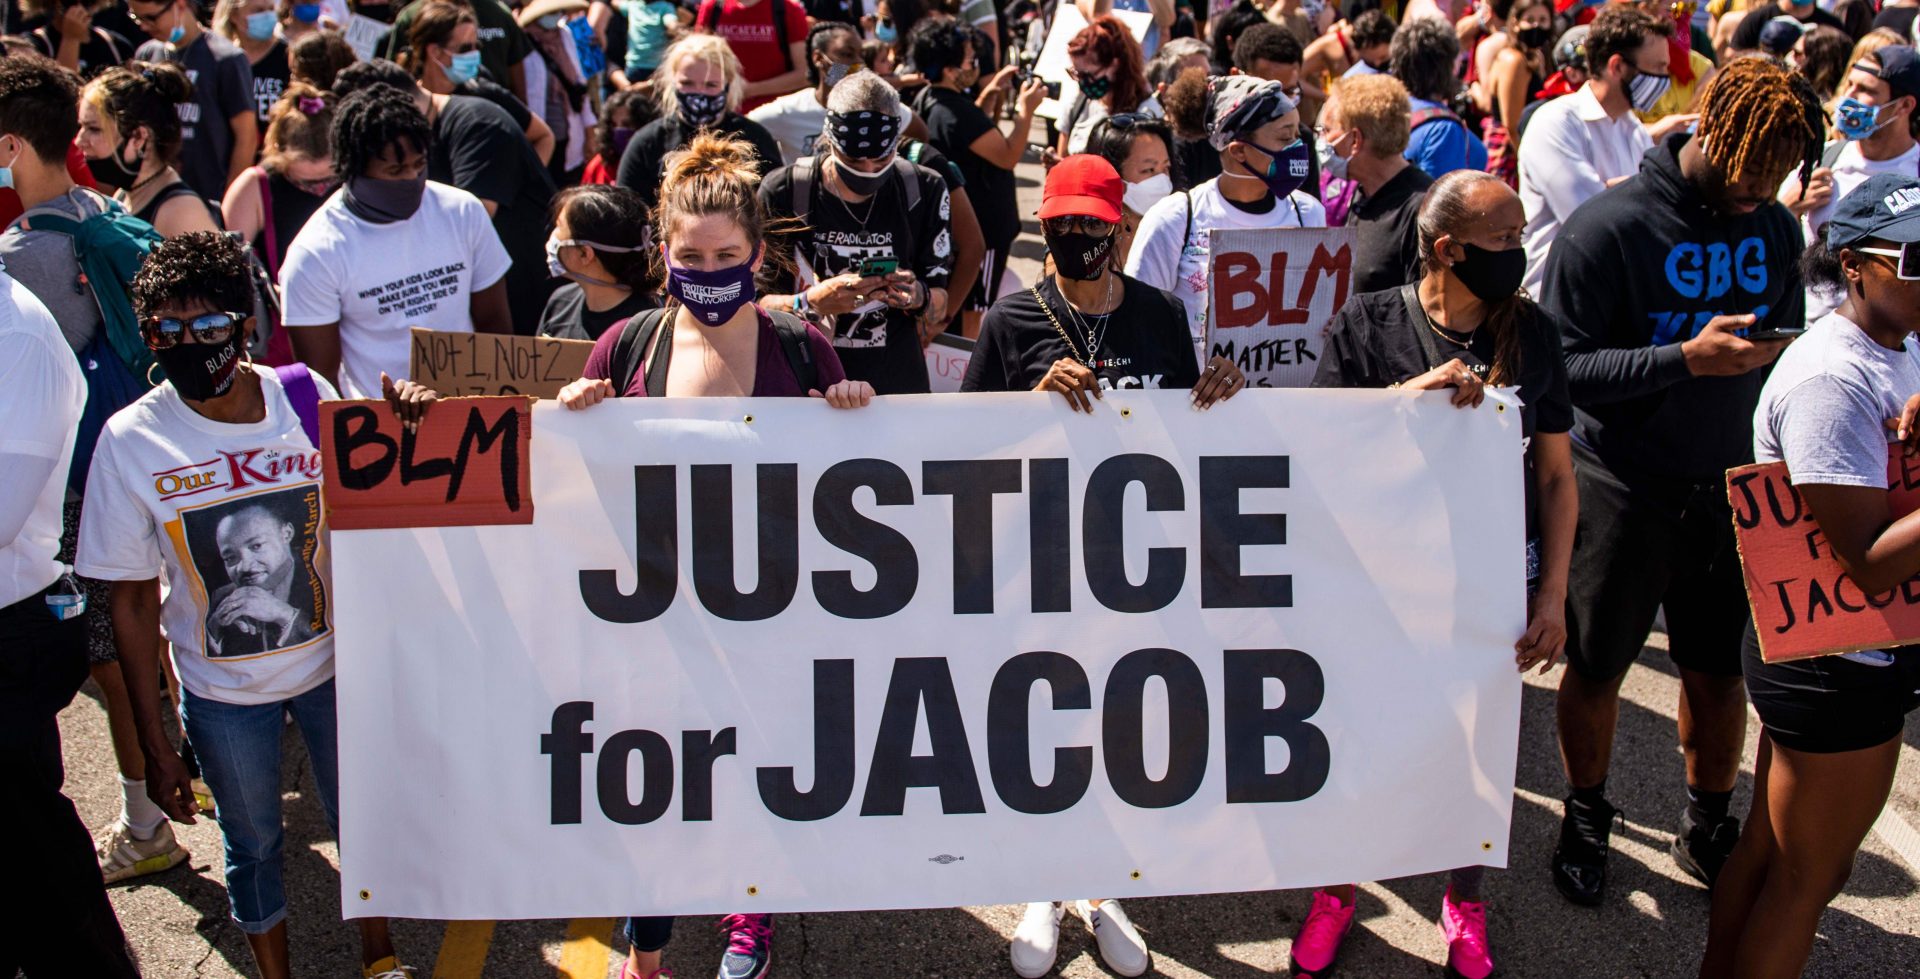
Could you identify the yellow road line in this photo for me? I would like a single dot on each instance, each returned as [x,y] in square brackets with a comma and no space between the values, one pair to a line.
[463,950]
[586,952]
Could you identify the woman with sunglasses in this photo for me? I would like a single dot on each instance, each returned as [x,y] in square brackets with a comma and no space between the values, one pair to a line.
[1082,330]
[246,611]
[1142,148]
[1255,129]
[1831,726]
[1112,77]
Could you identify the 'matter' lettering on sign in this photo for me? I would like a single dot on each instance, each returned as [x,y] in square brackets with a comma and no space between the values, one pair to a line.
[762,655]
[466,464]
[1803,602]
[1274,290]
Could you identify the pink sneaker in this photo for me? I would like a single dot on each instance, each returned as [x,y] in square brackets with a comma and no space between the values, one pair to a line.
[1318,943]
[1464,925]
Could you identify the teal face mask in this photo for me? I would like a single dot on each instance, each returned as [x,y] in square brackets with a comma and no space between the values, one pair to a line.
[179,29]
[463,68]
[260,25]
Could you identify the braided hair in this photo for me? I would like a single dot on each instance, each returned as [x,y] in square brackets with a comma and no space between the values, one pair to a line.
[369,121]
[1751,108]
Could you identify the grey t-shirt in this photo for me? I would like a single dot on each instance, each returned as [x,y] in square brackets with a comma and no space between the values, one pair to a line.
[44,262]
[1825,407]
[222,88]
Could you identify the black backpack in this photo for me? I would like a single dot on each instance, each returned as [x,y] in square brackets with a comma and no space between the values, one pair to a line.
[637,334]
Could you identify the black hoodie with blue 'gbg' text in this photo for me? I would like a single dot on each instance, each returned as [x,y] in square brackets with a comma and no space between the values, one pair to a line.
[1634,272]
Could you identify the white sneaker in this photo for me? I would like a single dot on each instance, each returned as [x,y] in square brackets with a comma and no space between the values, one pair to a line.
[1121,946]
[1037,941]
[123,855]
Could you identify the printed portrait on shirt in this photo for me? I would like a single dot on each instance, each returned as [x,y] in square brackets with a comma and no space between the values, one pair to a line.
[255,557]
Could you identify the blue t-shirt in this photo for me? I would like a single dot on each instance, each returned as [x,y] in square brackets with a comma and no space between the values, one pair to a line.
[1443,145]
[647,40]
[1151,45]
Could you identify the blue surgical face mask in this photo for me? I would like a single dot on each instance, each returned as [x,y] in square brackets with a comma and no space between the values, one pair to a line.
[6,172]
[179,27]
[260,25]
[885,33]
[1854,119]
[306,13]
[463,68]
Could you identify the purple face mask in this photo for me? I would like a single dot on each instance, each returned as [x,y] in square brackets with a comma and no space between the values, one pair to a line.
[713,297]
[622,135]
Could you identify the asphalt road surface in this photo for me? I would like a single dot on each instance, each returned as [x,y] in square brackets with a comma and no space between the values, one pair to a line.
[1653,924]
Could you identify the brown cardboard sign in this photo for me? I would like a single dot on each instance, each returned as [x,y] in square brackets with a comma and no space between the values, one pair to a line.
[474,364]
[467,464]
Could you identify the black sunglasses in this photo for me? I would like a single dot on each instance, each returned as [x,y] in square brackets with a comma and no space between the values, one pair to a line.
[1128,120]
[162,332]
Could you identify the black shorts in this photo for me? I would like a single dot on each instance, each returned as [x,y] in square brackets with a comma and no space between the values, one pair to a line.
[986,289]
[1639,549]
[1829,704]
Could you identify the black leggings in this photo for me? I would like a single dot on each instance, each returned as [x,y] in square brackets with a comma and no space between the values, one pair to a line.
[647,934]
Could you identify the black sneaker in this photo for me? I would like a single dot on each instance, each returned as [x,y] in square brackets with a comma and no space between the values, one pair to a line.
[1701,849]
[1580,859]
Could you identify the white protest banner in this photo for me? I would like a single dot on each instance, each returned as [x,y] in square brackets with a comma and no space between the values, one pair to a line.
[363,35]
[762,655]
[947,359]
[1271,294]
[1054,65]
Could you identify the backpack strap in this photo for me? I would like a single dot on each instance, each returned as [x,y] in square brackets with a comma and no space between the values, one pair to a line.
[1188,194]
[1832,153]
[792,331]
[779,8]
[805,170]
[635,336]
[1423,116]
[304,395]
[909,182]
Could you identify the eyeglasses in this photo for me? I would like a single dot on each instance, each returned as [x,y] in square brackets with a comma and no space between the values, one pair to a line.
[1908,265]
[1128,120]
[162,332]
[151,19]
[1086,224]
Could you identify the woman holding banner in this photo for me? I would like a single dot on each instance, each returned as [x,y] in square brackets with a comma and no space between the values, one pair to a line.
[712,340]
[1831,725]
[1464,325]
[1082,330]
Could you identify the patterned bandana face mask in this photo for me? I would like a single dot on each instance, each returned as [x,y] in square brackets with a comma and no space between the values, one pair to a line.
[863,135]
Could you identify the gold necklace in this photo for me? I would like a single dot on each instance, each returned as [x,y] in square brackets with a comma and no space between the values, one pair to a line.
[1093,342]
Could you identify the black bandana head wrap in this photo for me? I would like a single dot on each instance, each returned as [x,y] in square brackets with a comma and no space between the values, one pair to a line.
[863,135]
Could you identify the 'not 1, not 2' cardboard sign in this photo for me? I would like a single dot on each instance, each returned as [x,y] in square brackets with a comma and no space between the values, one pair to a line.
[465,465]
[1803,602]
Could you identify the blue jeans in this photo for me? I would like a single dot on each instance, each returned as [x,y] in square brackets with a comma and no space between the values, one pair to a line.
[239,748]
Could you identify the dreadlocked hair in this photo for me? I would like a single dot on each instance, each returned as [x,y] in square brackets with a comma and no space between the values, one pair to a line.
[1751,109]
[1448,210]
[371,120]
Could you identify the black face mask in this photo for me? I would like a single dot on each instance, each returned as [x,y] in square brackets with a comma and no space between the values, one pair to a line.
[699,109]
[201,371]
[1079,256]
[1491,275]
[1096,88]
[864,184]
[111,171]
[384,201]
[1534,38]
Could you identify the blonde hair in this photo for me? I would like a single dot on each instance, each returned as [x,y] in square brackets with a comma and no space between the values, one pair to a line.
[227,21]
[698,47]
[1377,106]
[298,126]
[713,175]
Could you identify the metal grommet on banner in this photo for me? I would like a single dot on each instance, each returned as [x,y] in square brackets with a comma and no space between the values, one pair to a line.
[1135,875]
[1127,413]
[366,896]
[1486,845]
[749,419]
[753,891]
[1499,407]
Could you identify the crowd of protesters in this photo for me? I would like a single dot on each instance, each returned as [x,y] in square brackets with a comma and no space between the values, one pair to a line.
[1682,233]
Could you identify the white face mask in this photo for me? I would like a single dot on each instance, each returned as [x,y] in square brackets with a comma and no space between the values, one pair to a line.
[1143,194]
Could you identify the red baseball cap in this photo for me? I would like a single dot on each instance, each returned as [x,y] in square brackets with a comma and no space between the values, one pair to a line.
[1083,184]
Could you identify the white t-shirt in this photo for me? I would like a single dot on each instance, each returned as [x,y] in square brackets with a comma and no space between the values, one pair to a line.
[42,394]
[380,280]
[1091,111]
[231,515]
[1573,148]
[795,120]
[1850,170]
[1161,259]
[1824,408]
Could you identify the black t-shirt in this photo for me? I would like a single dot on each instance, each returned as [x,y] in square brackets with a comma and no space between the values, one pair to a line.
[1746,37]
[1374,343]
[102,48]
[568,317]
[1386,243]
[953,123]
[270,77]
[477,148]
[880,346]
[842,11]
[642,165]
[291,208]
[1143,343]
[1896,19]
[498,95]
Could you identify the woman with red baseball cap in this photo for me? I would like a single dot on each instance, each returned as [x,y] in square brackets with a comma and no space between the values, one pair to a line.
[1084,327]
